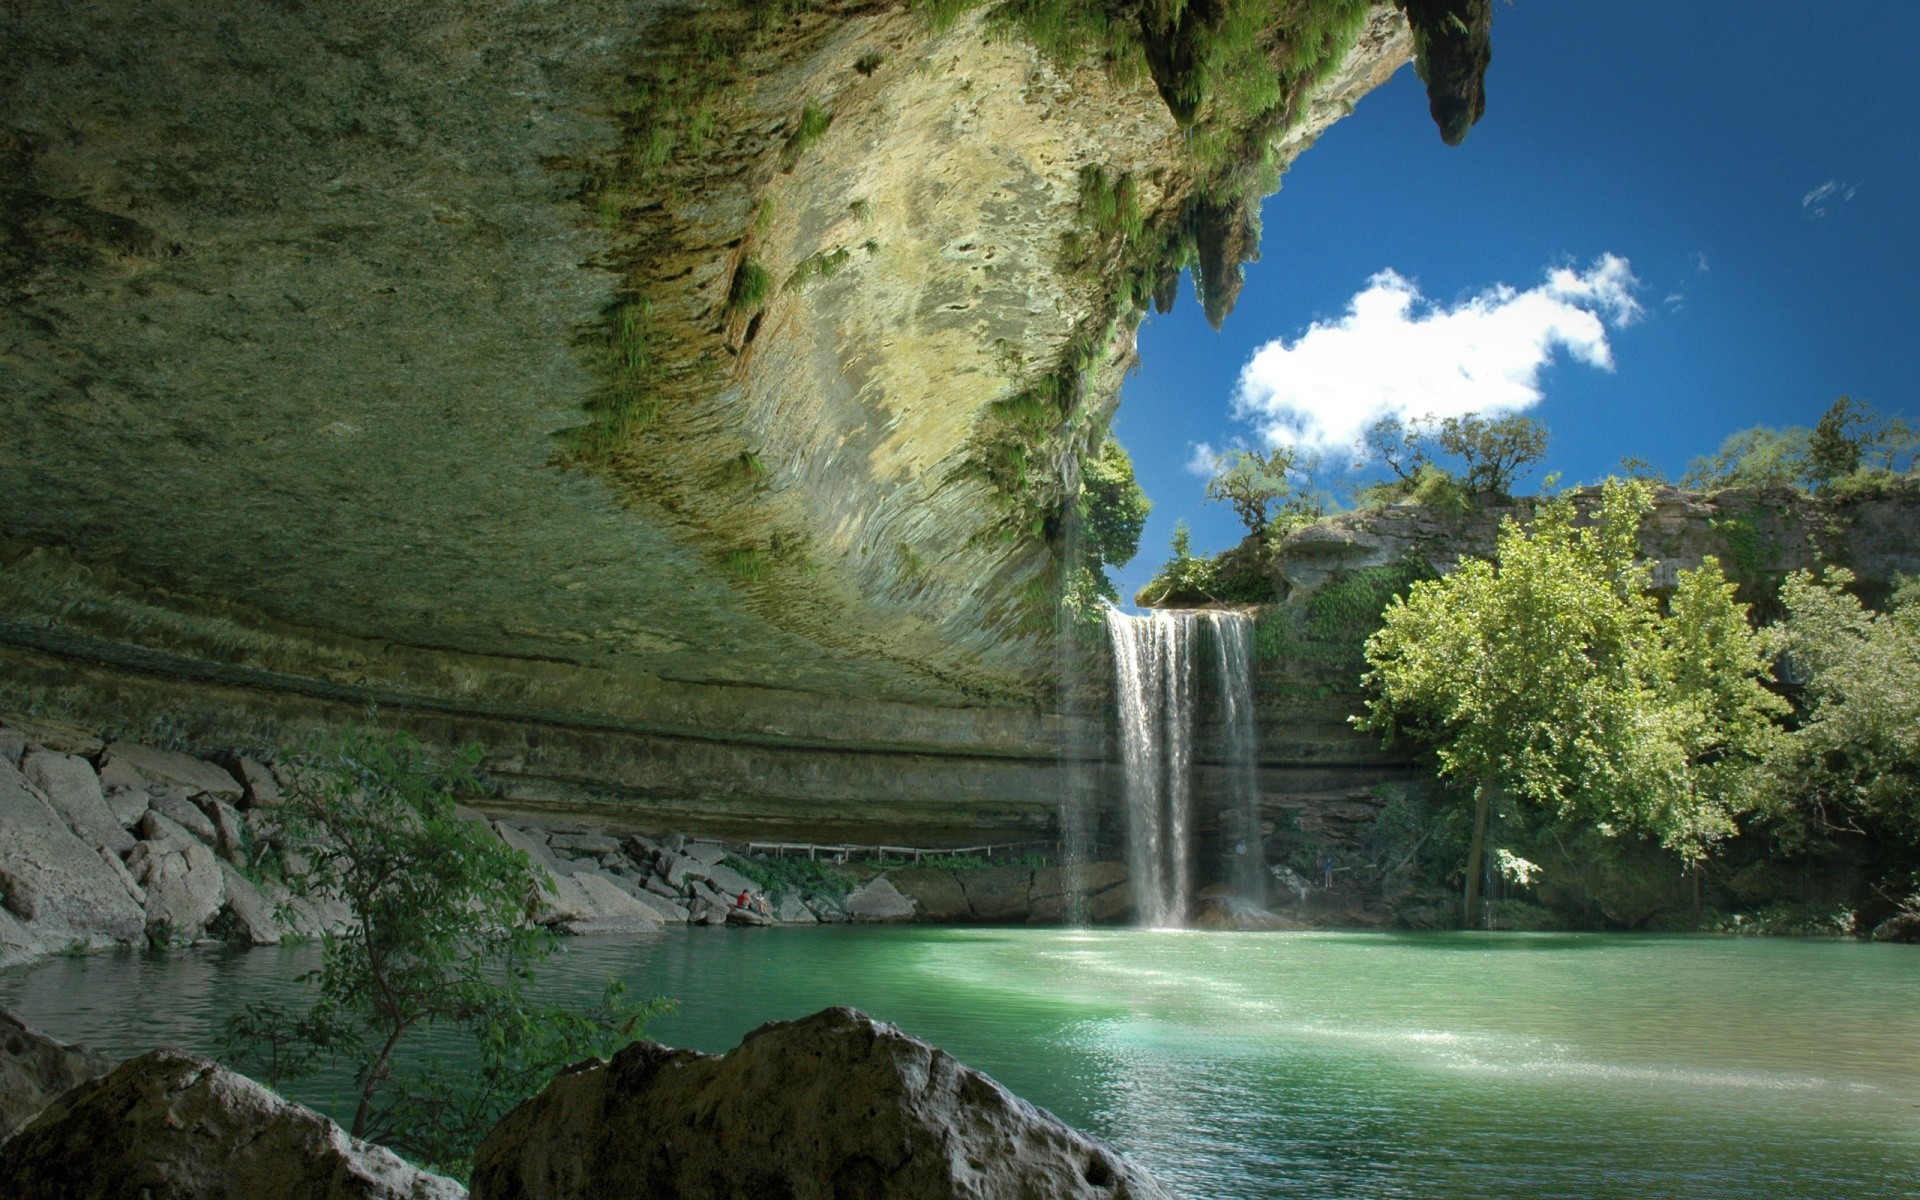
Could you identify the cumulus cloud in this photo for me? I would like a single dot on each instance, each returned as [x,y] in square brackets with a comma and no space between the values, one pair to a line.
[1203,460]
[1828,195]
[1397,354]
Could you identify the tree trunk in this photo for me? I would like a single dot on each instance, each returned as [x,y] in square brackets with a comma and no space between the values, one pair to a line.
[1476,853]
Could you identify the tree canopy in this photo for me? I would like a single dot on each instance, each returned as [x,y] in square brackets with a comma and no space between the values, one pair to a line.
[1252,484]
[1552,675]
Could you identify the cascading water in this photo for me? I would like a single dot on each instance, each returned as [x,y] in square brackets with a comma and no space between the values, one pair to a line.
[1154,663]
[1233,646]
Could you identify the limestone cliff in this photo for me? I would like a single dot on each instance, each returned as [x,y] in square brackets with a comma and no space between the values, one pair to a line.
[666,395]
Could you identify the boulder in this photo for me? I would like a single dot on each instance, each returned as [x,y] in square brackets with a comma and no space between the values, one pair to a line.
[878,901]
[185,890]
[1088,878]
[229,828]
[593,844]
[1114,904]
[614,911]
[677,868]
[666,910]
[832,1105]
[258,787]
[170,768]
[128,805]
[1235,912]
[54,735]
[174,1126]
[173,804]
[254,919]
[13,745]
[790,909]
[705,853]
[124,875]
[71,787]
[997,893]
[35,1070]
[937,893]
[535,849]
[57,885]
[729,881]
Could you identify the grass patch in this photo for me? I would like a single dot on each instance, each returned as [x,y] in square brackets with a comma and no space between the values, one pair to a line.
[750,289]
[1330,630]
[802,876]
[820,265]
[869,62]
[814,121]
[747,566]
[630,397]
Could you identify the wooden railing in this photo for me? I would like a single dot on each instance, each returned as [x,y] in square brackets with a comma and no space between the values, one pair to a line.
[845,851]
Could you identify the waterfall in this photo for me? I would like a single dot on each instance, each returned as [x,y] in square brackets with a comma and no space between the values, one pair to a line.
[1233,645]
[1154,664]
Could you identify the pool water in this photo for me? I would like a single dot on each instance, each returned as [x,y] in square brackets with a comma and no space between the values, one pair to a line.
[1239,1065]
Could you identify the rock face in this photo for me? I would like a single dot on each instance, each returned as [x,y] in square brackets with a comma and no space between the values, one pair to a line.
[664,549]
[173,1126]
[55,883]
[35,1069]
[834,1105]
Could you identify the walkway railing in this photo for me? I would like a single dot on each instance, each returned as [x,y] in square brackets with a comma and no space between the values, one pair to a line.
[844,851]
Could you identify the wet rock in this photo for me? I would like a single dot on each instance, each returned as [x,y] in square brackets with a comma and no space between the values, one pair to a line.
[878,901]
[71,787]
[1114,904]
[747,916]
[174,1126]
[935,892]
[833,1105]
[996,893]
[35,1069]
[258,787]
[169,768]
[17,943]
[179,811]
[1051,903]
[1233,912]
[55,883]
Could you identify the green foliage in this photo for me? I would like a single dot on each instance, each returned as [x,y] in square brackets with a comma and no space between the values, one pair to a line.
[1750,552]
[812,125]
[750,289]
[822,264]
[1329,631]
[1854,761]
[440,939]
[630,398]
[869,62]
[1251,483]
[1492,452]
[747,566]
[1752,458]
[1186,575]
[801,876]
[1551,675]
[1851,451]
[1113,509]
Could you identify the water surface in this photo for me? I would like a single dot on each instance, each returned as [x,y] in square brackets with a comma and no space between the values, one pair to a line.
[1271,1065]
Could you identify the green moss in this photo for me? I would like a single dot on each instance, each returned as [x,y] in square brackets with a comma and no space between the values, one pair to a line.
[747,566]
[630,397]
[869,62]
[820,265]
[1331,628]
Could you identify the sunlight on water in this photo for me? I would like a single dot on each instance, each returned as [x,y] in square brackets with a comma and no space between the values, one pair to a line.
[1269,1065]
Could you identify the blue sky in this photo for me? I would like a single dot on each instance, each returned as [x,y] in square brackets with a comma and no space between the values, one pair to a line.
[1693,144]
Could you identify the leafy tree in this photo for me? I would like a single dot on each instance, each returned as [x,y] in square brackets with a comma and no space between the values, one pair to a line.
[1850,436]
[1552,676]
[441,936]
[1853,763]
[1252,483]
[1757,457]
[1495,450]
[1186,573]
[1113,509]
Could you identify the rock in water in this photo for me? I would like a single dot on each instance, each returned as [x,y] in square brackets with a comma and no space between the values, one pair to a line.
[173,1126]
[878,901]
[829,1107]
[35,1069]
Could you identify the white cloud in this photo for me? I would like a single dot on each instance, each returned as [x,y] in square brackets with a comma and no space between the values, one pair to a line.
[1204,460]
[1830,194]
[1395,353]
[1700,261]
[1675,301]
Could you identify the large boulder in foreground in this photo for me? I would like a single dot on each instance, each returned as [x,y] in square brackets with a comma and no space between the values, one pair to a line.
[35,1070]
[174,1126]
[835,1106]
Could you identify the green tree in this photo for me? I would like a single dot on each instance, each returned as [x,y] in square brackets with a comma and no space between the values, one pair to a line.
[441,936]
[1757,457]
[1495,450]
[1185,575]
[1851,437]
[1853,762]
[1252,483]
[1552,675]
[1113,509]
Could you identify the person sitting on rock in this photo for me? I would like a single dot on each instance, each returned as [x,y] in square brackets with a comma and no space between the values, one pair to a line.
[742,901]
